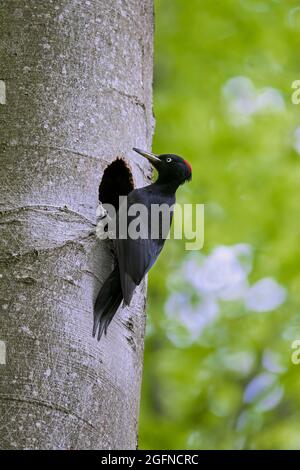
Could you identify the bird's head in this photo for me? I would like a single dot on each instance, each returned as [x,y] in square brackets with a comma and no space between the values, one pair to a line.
[170,167]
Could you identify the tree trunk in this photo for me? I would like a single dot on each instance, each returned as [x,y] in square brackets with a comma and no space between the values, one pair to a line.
[77,79]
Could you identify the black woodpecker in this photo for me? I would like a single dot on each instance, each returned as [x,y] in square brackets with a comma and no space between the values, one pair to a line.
[135,257]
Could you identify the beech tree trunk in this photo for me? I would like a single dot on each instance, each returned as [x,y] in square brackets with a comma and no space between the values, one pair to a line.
[76,79]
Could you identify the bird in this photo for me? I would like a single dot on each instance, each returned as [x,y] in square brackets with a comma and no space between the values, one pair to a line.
[134,257]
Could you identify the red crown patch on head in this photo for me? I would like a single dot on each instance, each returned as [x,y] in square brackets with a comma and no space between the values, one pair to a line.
[187,163]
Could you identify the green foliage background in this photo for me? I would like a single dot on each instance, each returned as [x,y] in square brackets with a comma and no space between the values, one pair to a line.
[248,176]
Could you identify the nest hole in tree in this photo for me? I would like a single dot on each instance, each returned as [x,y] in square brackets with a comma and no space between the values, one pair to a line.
[117,181]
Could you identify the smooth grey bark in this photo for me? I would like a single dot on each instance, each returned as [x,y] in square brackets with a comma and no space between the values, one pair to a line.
[77,78]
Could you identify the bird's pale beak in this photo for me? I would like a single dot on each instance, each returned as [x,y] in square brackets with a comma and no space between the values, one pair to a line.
[150,156]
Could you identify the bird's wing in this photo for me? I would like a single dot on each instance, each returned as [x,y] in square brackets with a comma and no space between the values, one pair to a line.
[135,257]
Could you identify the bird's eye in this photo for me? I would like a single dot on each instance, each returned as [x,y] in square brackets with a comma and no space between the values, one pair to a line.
[169,159]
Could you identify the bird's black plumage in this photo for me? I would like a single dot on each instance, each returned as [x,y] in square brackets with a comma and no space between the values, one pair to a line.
[135,257]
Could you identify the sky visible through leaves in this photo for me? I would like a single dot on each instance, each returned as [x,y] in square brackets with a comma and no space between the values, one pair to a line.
[218,370]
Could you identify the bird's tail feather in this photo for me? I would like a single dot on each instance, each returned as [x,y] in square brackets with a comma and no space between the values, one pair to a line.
[107,303]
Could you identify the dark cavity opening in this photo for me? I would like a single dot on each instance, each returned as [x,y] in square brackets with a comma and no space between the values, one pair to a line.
[117,181]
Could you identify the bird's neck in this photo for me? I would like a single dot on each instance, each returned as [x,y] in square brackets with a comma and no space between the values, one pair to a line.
[167,187]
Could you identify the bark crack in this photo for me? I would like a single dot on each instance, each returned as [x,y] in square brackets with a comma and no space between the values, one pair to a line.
[37,251]
[133,98]
[59,149]
[51,406]
[46,209]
